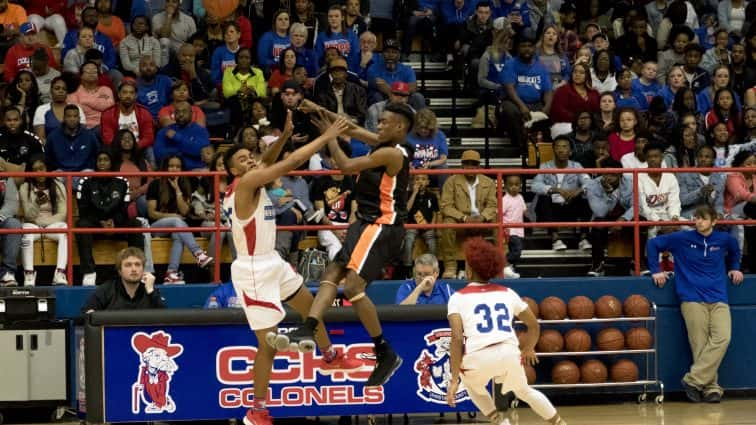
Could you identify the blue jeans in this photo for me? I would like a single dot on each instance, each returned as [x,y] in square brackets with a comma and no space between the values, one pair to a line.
[11,245]
[180,240]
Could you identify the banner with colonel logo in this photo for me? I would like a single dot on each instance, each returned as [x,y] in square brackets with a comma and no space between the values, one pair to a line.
[201,372]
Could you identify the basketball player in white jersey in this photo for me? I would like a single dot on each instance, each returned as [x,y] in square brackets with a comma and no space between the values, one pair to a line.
[484,345]
[260,276]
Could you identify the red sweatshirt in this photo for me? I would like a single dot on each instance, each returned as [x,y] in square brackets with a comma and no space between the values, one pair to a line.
[18,58]
[109,125]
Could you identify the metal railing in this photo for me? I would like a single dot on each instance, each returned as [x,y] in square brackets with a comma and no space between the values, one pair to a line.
[500,174]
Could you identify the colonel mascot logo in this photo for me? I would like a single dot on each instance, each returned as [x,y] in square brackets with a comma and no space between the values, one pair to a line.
[156,368]
[434,369]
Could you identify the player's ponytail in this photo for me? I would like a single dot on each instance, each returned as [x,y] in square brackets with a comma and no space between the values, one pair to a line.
[485,259]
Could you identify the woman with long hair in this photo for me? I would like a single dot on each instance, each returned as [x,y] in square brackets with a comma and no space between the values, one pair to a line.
[272,42]
[75,57]
[720,80]
[724,110]
[602,73]
[552,57]
[43,206]
[129,158]
[740,197]
[284,71]
[686,103]
[575,96]
[605,120]
[24,94]
[49,116]
[336,35]
[492,64]
[168,204]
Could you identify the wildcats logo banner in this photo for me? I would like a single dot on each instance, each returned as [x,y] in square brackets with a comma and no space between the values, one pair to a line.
[206,373]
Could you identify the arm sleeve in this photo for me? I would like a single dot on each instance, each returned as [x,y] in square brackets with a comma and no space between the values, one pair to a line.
[215,67]
[447,201]
[539,185]
[402,293]
[483,80]
[230,84]
[688,195]
[97,301]
[156,300]
[598,204]
[655,246]
[123,53]
[733,254]
[263,50]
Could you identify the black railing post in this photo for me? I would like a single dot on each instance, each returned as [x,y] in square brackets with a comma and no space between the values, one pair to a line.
[455,89]
[486,141]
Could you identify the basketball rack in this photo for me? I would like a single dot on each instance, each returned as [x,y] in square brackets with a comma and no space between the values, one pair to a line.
[651,377]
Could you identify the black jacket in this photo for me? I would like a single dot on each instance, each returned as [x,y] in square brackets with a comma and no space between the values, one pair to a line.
[102,198]
[18,148]
[111,295]
[355,104]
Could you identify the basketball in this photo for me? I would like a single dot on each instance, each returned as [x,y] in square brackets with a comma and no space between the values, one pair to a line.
[550,341]
[624,370]
[638,339]
[552,308]
[636,306]
[610,339]
[580,307]
[593,372]
[608,307]
[565,372]
[533,306]
[530,373]
[577,340]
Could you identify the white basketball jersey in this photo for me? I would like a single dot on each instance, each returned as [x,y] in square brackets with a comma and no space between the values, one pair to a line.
[257,234]
[487,311]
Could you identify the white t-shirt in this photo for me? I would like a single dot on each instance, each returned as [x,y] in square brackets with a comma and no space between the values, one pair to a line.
[129,122]
[487,311]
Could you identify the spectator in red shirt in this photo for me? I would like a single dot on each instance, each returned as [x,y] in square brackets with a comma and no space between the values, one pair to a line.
[19,56]
[48,14]
[577,95]
[128,114]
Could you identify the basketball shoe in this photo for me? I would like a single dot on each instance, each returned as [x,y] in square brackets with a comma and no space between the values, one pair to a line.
[257,417]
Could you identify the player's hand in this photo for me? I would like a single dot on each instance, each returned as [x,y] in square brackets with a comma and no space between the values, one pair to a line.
[337,128]
[660,279]
[308,106]
[736,276]
[529,356]
[321,121]
[451,391]
[427,283]
[149,282]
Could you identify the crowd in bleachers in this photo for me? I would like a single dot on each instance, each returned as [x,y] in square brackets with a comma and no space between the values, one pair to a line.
[135,85]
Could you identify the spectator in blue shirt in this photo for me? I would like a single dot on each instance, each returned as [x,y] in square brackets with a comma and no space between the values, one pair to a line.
[153,89]
[224,55]
[704,261]
[183,138]
[425,287]
[517,11]
[429,144]
[338,36]
[381,75]
[273,42]
[89,19]
[454,14]
[527,84]
[625,95]
[71,147]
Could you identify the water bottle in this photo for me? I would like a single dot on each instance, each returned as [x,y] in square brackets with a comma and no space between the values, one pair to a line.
[213,303]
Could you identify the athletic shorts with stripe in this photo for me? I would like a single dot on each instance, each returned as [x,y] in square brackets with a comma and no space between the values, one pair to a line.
[368,247]
[262,282]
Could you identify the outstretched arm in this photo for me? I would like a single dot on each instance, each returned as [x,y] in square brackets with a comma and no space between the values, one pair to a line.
[354,130]
[271,155]
[253,180]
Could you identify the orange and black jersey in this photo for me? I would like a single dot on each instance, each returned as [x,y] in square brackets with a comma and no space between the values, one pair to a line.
[381,198]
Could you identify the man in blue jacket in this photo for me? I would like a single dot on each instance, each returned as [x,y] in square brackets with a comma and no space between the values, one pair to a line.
[704,260]
[71,147]
[184,138]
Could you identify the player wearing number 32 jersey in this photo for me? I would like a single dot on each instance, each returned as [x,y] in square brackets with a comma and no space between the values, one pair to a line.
[484,345]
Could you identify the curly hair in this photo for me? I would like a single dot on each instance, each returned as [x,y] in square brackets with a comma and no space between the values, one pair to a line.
[485,259]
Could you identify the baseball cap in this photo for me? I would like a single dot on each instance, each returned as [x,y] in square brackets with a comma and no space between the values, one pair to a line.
[291,85]
[391,43]
[337,63]
[400,87]
[28,28]
[471,155]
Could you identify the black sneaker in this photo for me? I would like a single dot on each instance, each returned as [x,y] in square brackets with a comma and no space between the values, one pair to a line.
[691,392]
[386,363]
[301,339]
[712,397]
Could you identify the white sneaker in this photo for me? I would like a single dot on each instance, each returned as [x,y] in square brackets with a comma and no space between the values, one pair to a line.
[510,273]
[60,278]
[203,260]
[90,279]
[558,245]
[585,245]
[8,279]
[30,278]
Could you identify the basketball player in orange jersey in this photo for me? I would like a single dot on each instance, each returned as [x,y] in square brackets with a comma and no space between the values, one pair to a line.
[484,345]
[374,239]
[261,278]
